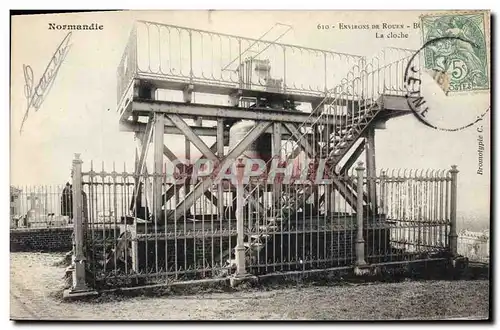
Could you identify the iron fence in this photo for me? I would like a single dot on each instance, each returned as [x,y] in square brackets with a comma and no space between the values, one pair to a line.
[474,245]
[40,206]
[414,209]
[257,228]
[134,244]
[295,228]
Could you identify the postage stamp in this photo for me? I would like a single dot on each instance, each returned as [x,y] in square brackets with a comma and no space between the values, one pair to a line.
[462,51]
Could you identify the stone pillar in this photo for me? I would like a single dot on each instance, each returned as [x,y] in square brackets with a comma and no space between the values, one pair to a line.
[79,286]
[241,274]
[360,242]
[240,229]
[453,211]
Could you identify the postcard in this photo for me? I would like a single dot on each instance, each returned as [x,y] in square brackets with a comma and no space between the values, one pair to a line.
[250,165]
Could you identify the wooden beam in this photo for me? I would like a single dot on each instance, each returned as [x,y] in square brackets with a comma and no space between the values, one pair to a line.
[211,197]
[220,153]
[144,139]
[207,181]
[192,137]
[228,89]
[192,110]
[352,159]
[170,192]
[187,93]
[158,164]
[130,126]
[341,186]
[143,144]
[169,154]
[370,167]
[187,155]
[300,139]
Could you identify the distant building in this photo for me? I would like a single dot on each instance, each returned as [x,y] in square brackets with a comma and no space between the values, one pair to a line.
[15,201]
[15,206]
[474,245]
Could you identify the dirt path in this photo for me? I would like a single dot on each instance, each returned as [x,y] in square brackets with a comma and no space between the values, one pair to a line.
[36,285]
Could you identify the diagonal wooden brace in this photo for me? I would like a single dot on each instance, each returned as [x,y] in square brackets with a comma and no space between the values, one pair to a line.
[207,182]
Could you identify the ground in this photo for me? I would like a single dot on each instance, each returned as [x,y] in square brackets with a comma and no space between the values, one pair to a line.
[36,291]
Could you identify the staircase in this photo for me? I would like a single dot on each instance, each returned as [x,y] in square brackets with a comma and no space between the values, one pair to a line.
[355,105]
[338,145]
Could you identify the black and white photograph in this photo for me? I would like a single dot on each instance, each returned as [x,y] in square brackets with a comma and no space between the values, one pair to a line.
[250,165]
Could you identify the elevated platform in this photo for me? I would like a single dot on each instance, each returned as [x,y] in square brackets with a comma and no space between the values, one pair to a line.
[235,89]
[186,61]
[173,57]
[135,107]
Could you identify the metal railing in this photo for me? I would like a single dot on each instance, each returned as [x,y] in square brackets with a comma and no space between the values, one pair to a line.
[474,245]
[40,206]
[292,230]
[415,207]
[349,108]
[414,220]
[127,247]
[185,55]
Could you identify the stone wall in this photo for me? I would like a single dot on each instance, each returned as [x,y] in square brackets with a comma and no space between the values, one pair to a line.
[56,239]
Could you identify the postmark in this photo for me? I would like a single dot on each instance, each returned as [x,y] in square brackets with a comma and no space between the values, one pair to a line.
[431,108]
[449,73]
[462,51]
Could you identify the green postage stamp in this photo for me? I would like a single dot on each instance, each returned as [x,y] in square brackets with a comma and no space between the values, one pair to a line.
[461,50]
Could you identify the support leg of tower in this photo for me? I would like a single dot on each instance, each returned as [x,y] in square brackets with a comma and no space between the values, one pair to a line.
[370,165]
[159,126]
[220,155]
[276,150]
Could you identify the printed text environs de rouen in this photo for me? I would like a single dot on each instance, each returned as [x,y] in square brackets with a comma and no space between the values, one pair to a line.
[383,30]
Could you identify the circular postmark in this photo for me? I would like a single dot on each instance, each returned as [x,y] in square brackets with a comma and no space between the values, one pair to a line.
[433,94]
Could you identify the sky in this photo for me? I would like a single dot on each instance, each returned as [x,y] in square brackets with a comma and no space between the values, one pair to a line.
[79,115]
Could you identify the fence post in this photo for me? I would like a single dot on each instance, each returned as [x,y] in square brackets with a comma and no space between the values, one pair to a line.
[360,242]
[241,273]
[453,212]
[240,247]
[79,286]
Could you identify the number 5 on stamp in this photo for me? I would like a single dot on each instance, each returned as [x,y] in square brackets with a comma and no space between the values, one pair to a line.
[463,56]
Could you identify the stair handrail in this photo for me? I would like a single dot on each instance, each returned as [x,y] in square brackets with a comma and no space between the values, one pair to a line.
[359,72]
[336,96]
[357,92]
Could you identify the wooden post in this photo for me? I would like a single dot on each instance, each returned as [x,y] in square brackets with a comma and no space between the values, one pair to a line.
[220,155]
[276,150]
[159,126]
[370,168]
[187,153]
[453,211]
[360,242]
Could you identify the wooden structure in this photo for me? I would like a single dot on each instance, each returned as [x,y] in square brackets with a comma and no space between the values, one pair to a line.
[341,120]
